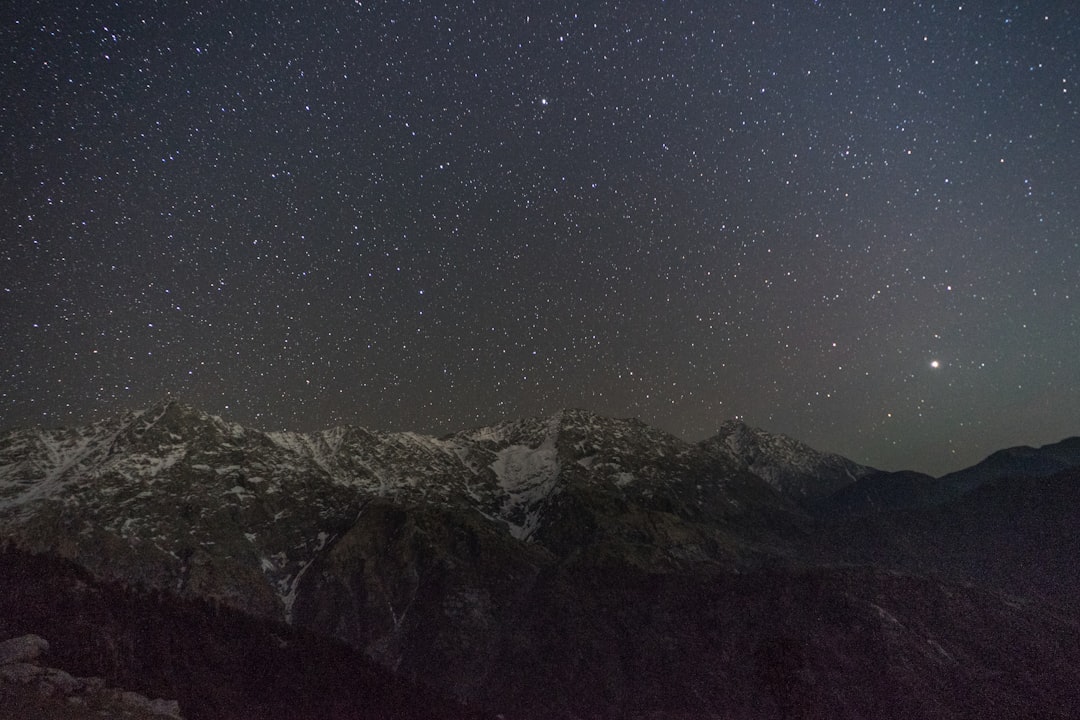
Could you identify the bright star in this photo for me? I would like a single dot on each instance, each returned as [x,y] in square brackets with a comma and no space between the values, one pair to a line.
[935,364]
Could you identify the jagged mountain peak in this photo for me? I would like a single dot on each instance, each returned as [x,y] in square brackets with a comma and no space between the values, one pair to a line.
[789,465]
[174,413]
[738,433]
[732,425]
[568,428]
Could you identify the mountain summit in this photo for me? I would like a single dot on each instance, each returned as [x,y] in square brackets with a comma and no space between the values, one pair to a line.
[792,467]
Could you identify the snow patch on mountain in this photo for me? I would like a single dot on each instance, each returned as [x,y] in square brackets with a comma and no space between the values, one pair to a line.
[527,476]
[36,464]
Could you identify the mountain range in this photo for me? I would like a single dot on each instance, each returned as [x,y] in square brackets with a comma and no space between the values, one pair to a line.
[571,566]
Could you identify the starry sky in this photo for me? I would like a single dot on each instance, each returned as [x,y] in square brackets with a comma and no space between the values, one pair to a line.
[856,224]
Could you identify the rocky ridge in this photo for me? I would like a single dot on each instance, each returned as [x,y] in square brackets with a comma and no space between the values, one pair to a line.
[187,501]
[792,467]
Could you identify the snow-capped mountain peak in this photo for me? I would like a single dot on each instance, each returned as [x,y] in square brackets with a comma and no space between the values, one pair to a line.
[792,467]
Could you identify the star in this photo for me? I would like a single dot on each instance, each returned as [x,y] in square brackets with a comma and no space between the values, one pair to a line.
[390,199]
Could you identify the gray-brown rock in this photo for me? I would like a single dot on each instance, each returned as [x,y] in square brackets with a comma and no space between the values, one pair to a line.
[57,682]
[20,673]
[165,708]
[48,681]
[24,649]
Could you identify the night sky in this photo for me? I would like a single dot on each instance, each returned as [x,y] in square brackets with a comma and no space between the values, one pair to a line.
[858,225]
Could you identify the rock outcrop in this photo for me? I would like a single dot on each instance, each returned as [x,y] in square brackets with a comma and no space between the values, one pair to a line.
[25,681]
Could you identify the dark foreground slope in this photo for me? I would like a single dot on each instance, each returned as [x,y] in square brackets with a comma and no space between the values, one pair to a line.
[217,662]
[776,643]
[1018,535]
[618,628]
[598,639]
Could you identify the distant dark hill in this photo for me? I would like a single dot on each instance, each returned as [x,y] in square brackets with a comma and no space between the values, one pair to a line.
[881,491]
[1021,461]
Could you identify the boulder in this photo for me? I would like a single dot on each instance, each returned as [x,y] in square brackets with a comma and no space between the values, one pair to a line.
[167,708]
[53,682]
[20,673]
[23,649]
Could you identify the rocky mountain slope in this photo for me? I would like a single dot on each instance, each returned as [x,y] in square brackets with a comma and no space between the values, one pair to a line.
[554,567]
[792,467]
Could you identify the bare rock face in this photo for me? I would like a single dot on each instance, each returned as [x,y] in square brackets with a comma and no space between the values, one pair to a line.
[25,649]
[49,681]
[792,467]
[164,708]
